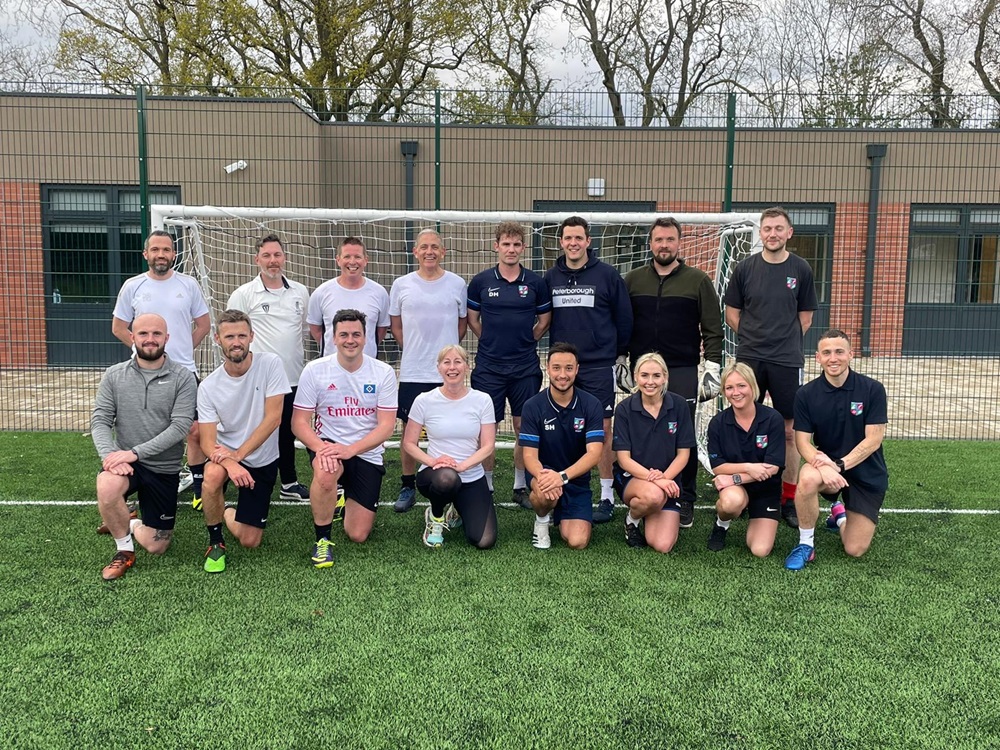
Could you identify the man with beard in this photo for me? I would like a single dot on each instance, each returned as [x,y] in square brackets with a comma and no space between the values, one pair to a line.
[239,406]
[277,309]
[143,410]
[178,298]
[680,318]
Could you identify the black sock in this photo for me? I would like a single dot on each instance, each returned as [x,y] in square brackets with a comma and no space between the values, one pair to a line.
[197,474]
[409,480]
[323,532]
[215,534]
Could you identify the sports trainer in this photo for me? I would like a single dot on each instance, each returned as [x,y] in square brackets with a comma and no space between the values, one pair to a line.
[352,399]
[277,309]
[840,420]
[143,411]
[351,290]
[680,318]
[510,308]
[591,310]
[562,431]
[239,409]
[178,298]
[770,302]
[427,312]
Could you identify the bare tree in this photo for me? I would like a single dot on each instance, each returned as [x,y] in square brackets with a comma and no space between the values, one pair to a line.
[985,22]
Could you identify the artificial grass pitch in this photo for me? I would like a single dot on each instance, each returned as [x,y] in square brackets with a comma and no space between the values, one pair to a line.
[400,646]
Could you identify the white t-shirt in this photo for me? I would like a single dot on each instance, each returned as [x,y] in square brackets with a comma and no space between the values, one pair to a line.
[279,321]
[177,299]
[453,426]
[237,404]
[347,403]
[430,311]
[372,299]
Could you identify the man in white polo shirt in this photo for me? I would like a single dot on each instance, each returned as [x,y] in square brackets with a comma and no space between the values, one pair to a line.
[427,311]
[277,309]
[240,409]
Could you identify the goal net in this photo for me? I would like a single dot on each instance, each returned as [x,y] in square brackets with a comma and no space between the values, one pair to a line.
[217,247]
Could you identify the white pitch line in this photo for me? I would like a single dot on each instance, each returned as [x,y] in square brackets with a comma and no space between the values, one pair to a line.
[292,504]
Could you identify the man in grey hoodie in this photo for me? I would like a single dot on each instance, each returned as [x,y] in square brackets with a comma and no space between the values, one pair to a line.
[142,413]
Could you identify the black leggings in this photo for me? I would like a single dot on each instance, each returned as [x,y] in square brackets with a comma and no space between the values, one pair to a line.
[473,501]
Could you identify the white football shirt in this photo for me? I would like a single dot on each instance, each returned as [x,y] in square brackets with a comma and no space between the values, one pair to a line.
[430,311]
[372,299]
[279,321]
[453,426]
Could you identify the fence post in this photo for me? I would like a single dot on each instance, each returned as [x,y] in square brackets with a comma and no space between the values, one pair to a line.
[140,106]
[875,153]
[727,200]
[437,149]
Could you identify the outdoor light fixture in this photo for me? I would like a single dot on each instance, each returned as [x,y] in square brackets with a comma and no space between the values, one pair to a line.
[595,187]
[236,166]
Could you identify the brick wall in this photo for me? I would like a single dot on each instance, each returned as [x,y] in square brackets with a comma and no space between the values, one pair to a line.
[22,334]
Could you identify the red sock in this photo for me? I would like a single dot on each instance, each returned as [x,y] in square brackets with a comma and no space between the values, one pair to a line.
[787,493]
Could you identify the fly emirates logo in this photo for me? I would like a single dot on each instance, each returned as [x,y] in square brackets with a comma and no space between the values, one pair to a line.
[352,408]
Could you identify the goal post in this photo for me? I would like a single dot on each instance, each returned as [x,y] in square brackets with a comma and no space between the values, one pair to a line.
[217,246]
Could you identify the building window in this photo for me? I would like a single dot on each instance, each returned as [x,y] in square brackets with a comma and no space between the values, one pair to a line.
[954,255]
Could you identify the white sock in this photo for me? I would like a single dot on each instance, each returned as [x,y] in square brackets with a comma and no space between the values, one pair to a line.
[630,520]
[807,536]
[288,486]
[841,521]
[489,480]
[133,524]
[606,492]
[543,519]
[519,483]
[723,524]
[125,543]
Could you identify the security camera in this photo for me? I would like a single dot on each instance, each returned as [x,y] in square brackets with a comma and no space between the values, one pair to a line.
[236,166]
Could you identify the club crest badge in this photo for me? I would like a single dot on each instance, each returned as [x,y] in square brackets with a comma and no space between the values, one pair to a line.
[791,282]
[857,408]
[578,423]
[671,427]
[762,441]
[369,388]
[522,289]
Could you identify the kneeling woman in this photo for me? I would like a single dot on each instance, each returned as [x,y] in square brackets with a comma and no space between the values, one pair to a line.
[746,446]
[653,437]
[461,432]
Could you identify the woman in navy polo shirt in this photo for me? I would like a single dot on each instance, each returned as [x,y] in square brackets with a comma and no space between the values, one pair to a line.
[653,437]
[746,447]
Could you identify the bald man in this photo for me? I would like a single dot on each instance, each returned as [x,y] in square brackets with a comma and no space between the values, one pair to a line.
[142,414]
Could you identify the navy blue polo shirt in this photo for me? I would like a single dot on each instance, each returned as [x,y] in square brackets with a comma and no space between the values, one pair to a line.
[507,311]
[653,443]
[837,418]
[763,443]
[561,434]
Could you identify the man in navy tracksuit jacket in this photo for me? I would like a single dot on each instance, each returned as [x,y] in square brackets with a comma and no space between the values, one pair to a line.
[592,311]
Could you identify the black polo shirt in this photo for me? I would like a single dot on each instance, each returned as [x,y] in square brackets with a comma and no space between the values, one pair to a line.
[653,443]
[837,418]
[560,434]
[763,443]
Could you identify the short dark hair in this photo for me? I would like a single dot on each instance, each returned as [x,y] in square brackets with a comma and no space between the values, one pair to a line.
[233,316]
[666,221]
[509,229]
[353,241]
[347,315]
[574,221]
[834,333]
[270,238]
[563,347]
[774,212]
[157,233]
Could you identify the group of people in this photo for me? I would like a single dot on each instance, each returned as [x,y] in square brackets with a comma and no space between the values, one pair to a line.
[660,327]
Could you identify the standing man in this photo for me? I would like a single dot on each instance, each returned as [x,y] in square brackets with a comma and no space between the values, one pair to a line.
[351,290]
[143,411]
[178,298]
[770,303]
[239,406]
[591,310]
[427,311]
[510,308]
[277,311]
[563,439]
[840,420]
[681,318]
[352,398]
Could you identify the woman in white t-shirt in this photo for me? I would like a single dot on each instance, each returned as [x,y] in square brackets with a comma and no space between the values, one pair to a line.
[461,432]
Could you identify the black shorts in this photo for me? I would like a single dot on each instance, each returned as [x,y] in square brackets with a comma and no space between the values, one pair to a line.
[516,388]
[620,480]
[599,382]
[764,499]
[778,381]
[157,496]
[407,394]
[252,505]
[361,480]
[858,499]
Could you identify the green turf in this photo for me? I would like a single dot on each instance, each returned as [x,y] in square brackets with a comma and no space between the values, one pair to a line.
[399,646]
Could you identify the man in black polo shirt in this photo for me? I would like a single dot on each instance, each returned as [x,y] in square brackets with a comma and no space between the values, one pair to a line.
[840,420]
[770,303]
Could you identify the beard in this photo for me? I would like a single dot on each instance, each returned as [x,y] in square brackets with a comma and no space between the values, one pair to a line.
[238,357]
[149,356]
[664,261]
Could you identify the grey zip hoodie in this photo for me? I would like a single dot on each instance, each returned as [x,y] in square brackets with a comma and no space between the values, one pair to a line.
[152,418]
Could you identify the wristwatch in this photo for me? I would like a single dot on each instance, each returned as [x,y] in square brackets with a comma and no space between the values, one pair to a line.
[565,477]
[737,479]
[840,464]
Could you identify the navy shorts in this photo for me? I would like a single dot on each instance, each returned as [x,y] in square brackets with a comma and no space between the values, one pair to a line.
[408,393]
[253,504]
[599,382]
[858,499]
[576,504]
[157,496]
[620,480]
[516,389]
[779,381]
